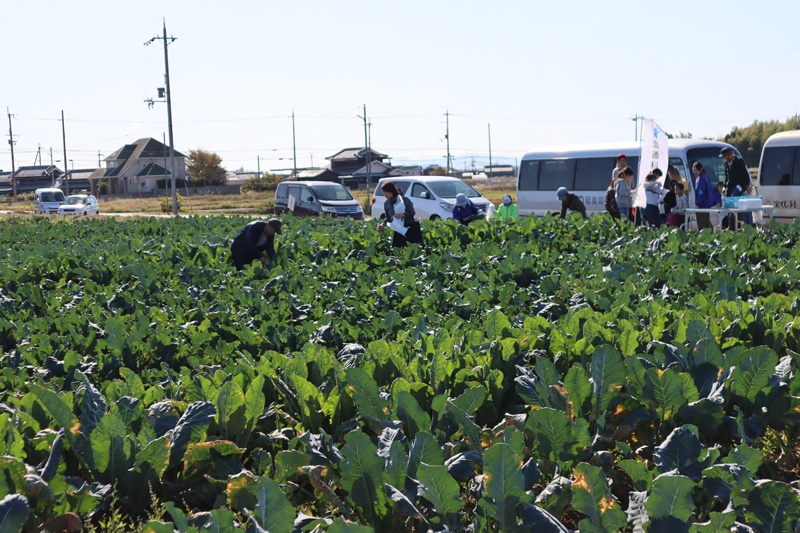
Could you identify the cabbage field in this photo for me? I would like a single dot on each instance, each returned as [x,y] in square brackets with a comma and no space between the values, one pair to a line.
[548,375]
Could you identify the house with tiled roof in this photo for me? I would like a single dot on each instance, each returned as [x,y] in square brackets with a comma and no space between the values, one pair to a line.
[138,166]
[350,164]
[30,178]
[76,180]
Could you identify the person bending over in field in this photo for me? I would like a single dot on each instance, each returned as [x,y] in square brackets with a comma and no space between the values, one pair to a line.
[570,202]
[255,239]
[465,211]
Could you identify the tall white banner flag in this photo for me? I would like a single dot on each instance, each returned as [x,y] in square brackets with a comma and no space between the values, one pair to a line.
[655,154]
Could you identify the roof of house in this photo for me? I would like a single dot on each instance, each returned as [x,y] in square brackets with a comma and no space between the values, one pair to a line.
[153,169]
[356,153]
[37,171]
[311,173]
[147,147]
[79,174]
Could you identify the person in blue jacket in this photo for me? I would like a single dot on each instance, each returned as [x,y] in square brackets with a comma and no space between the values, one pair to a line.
[704,195]
[465,211]
[255,239]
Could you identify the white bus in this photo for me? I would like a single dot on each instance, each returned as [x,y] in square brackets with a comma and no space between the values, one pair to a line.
[586,171]
[779,175]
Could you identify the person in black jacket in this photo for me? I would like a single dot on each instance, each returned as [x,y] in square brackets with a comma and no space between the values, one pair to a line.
[255,239]
[570,202]
[737,179]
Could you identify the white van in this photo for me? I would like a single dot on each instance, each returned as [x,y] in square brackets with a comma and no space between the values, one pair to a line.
[779,175]
[433,196]
[47,201]
[586,171]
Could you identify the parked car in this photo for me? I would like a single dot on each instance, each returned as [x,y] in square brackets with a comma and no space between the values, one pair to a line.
[316,198]
[79,204]
[433,196]
[47,201]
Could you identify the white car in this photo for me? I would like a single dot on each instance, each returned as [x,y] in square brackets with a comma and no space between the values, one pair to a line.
[79,204]
[47,201]
[433,196]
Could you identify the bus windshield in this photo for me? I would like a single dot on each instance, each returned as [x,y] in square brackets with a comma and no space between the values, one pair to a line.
[713,164]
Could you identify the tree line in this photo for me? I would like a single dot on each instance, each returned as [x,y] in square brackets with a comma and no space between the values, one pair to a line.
[750,139]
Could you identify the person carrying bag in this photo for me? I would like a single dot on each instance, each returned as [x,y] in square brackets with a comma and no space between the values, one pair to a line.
[400,213]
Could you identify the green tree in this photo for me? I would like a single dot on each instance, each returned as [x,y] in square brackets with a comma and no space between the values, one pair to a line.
[750,139]
[204,168]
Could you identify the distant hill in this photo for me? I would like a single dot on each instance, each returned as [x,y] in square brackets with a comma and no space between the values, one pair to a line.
[749,140]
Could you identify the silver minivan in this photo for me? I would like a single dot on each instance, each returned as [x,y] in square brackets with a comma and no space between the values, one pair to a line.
[47,201]
[433,196]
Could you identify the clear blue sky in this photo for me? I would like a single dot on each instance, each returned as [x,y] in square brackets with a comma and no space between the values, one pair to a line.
[542,73]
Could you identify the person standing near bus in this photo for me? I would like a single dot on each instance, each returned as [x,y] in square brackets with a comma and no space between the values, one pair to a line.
[737,179]
[623,193]
[704,195]
[622,164]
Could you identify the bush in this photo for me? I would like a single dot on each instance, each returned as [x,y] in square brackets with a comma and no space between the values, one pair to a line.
[269,182]
[166,204]
[103,188]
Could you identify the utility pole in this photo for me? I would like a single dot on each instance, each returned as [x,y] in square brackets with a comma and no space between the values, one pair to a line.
[447,137]
[294,150]
[168,40]
[258,162]
[635,119]
[11,144]
[64,140]
[51,156]
[366,146]
[490,154]
[98,159]
[38,155]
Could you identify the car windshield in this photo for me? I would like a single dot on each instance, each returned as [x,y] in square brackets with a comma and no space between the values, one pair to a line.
[331,192]
[451,189]
[75,200]
[53,196]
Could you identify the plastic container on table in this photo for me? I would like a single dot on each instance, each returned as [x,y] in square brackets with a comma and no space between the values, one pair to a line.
[750,202]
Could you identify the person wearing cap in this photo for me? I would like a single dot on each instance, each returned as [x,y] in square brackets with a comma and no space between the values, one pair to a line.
[737,178]
[465,211]
[507,210]
[622,164]
[570,202]
[255,239]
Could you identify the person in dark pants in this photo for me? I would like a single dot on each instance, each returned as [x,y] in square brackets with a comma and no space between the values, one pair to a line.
[704,195]
[404,210]
[570,202]
[255,239]
[737,178]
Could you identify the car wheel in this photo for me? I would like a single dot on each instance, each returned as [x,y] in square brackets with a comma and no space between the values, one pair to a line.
[435,217]
[383,216]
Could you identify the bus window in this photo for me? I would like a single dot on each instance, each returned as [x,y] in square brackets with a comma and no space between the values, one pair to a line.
[529,176]
[594,174]
[776,167]
[677,164]
[713,164]
[555,174]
